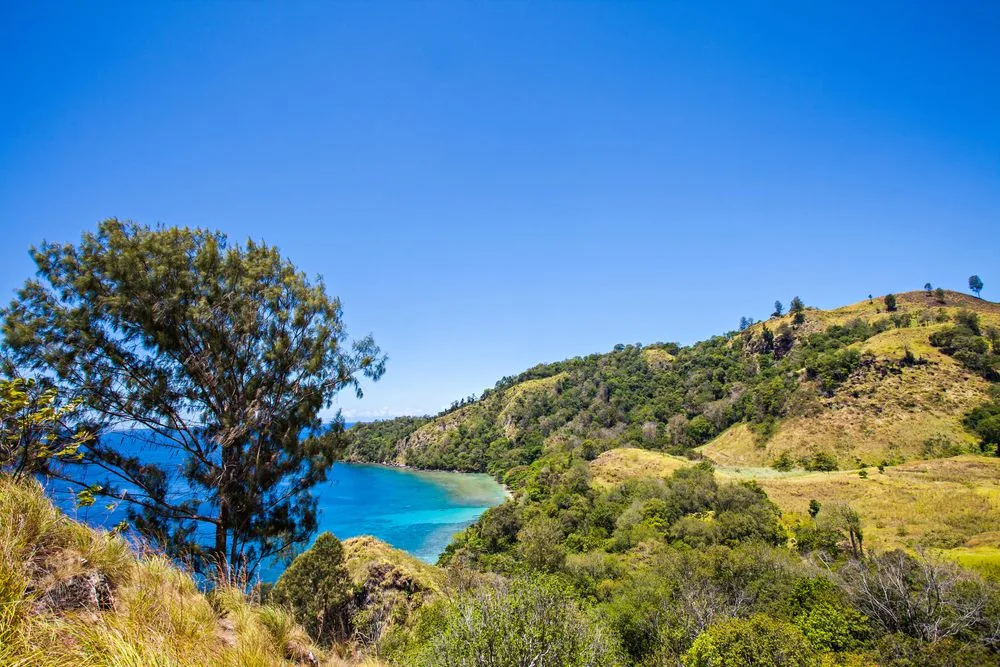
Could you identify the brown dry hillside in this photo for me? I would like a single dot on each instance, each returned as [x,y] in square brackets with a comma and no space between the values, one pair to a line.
[884,411]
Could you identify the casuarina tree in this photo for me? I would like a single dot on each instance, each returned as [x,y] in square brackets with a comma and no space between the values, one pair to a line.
[976,284]
[222,354]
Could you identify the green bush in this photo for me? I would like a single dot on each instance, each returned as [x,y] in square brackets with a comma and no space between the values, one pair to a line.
[530,621]
[820,461]
[758,640]
[316,587]
[984,421]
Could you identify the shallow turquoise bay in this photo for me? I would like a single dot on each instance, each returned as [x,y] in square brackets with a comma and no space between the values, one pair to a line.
[414,510]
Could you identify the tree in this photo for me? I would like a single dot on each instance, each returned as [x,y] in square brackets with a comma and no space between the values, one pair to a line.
[927,288]
[814,508]
[224,354]
[797,308]
[890,302]
[922,598]
[758,640]
[745,322]
[317,587]
[939,294]
[976,284]
[540,544]
[844,517]
[778,309]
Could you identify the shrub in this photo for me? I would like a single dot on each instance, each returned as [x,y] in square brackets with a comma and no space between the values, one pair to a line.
[758,640]
[316,587]
[984,421]
[531,621]
[820,461]
[540,544]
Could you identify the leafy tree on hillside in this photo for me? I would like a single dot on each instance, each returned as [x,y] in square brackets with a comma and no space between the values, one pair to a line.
[928,288]
[225,352]
[758,640]
[797,308]
[939,294]
[317,587]
[779,308]
[890,302]
[976,284]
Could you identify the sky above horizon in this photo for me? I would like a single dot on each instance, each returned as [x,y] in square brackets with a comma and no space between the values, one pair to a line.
[487,186]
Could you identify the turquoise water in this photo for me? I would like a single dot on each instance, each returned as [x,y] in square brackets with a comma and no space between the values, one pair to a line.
[417,511]
[413,510]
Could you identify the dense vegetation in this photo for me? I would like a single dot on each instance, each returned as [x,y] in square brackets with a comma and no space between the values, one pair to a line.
[665,396]
[689,568]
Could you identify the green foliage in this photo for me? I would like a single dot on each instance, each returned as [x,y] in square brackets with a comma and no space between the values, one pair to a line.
[964,343]
[814,508]
[976,284]
[539,544]
[890,302]
[820,462]
[984,421]
[784,462]
[529,621]
[33,431]
[316,587]
[225,351]
[375,441]
[758,640]
[834,367]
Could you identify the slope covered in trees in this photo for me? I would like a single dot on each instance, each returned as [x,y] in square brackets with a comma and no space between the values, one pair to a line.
[810,389]
[743,500]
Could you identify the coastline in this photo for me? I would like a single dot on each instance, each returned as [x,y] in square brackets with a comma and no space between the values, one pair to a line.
[508,494]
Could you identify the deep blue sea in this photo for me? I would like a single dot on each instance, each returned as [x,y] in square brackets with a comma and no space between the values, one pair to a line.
[417,511]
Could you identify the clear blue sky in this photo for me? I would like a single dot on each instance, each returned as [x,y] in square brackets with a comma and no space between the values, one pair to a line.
[491,185]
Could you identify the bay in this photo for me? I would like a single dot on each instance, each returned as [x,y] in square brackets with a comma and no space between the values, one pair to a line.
[413,510]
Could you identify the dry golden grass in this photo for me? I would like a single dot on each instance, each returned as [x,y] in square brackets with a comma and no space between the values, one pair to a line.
[150,612]
[361,552]
[617,465]
[883,412]
[944,504]
[949,505]
[657,357]
[906,302]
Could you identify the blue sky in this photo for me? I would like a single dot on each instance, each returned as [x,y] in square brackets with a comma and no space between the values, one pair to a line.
[491,185]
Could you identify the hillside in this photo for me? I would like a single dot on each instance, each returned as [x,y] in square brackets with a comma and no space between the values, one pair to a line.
[71,595]
[783,402]
[851,386]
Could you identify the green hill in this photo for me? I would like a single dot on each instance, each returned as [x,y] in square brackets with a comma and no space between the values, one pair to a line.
[845,387]
[783,402]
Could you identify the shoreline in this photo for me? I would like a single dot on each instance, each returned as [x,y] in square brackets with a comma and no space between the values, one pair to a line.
[508,494]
